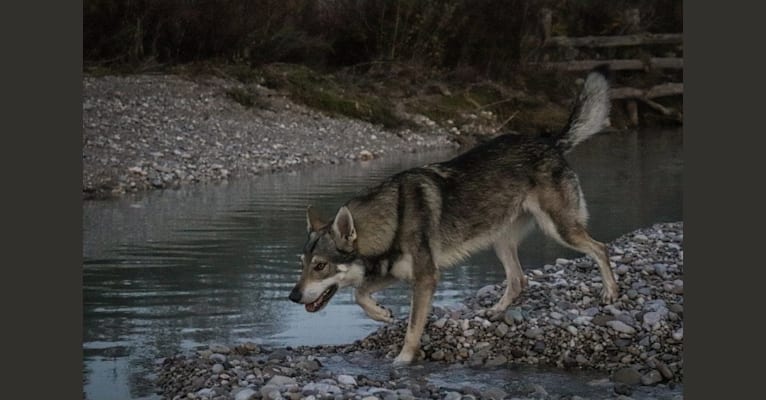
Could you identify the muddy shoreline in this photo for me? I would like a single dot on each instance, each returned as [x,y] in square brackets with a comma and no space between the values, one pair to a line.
[144,132]
[559,323]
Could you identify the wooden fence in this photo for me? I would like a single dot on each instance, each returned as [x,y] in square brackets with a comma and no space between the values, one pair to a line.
[633,38]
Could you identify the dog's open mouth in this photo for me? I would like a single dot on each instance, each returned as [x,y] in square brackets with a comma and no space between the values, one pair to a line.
[322,300]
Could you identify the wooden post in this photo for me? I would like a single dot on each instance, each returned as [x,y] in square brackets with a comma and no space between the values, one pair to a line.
[546,19]
[632,112]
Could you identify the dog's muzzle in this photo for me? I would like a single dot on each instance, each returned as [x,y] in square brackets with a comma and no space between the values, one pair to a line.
[295,295]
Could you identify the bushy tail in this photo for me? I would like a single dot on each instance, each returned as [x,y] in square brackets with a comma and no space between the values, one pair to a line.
[591,110]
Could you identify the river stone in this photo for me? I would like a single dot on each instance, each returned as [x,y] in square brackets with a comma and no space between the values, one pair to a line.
[246,394]
[217,357]
[679,334]
[658,305]
[621,327]
[590,312]
[309,365]
[501,330]
[452,396]
[217,368]
[494,393]
[513,315]
[496,361]
[652,318]
[651,378]
[538,390]
[628,376]
[405,394]
[622,269]
[626,318]
[281,380]
[533,333]
[278,354]
[438,355]
[664,370]
[485,291]
[219,348]
[623,389]
[321,388]
[346,380]
[601,319]
[267,389]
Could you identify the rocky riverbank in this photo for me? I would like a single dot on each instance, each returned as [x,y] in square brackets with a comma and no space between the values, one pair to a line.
[144,132]
[637,341]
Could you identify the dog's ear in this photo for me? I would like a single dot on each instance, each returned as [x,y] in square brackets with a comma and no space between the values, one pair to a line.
[313,220]
[343,228]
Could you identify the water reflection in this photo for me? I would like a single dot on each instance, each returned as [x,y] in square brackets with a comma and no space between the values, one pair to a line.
[170,270]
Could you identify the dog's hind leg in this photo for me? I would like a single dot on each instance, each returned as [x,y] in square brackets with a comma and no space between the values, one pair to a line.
[577,238]
[560,212]
[368,304]
[506,249]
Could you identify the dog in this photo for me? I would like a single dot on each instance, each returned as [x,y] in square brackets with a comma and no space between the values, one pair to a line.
[417,222]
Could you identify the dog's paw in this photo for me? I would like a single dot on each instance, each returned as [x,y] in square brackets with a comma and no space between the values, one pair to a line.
[402,360]
[388,315]
[609,294]
[382,314]
[494,314]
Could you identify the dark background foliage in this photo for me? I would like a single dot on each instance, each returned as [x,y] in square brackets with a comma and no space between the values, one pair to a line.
[488,36]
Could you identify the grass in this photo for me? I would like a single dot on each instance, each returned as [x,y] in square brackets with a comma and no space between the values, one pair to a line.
[326,93]
[531,101]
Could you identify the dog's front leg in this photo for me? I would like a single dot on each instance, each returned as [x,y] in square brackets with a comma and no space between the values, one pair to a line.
[422,293]
[368,304]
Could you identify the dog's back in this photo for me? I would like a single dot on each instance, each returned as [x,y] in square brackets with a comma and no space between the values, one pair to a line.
[463,204]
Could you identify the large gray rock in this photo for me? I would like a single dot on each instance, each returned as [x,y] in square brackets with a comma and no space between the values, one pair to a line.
[652,377]
[280,380]
[628,376]
[621,327]
[245,394]
[219,348]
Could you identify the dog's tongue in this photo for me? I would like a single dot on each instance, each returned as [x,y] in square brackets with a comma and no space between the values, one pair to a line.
[314,307]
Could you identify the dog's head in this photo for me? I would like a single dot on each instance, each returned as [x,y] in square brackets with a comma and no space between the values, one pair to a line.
[329,260]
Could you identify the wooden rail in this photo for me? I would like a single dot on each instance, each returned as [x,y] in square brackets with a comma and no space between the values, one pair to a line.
[615,41]
[662,90]
[617,65]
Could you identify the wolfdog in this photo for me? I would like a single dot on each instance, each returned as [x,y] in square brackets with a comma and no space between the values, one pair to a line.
[417,222]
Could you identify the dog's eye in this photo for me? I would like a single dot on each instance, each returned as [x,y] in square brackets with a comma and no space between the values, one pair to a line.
[320,266]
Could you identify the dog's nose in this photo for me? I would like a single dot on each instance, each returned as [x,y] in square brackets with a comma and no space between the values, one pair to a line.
[295,295]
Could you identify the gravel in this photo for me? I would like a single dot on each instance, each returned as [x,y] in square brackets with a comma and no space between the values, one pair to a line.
[143,132]
[538,330]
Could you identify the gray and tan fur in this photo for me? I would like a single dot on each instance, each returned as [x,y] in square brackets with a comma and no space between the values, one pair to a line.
[424,219]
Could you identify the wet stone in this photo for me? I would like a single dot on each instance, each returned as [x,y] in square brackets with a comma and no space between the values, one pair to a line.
[628,376]
[651,378]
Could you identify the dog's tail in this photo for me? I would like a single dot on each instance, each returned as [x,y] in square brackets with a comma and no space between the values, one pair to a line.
[591,110]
